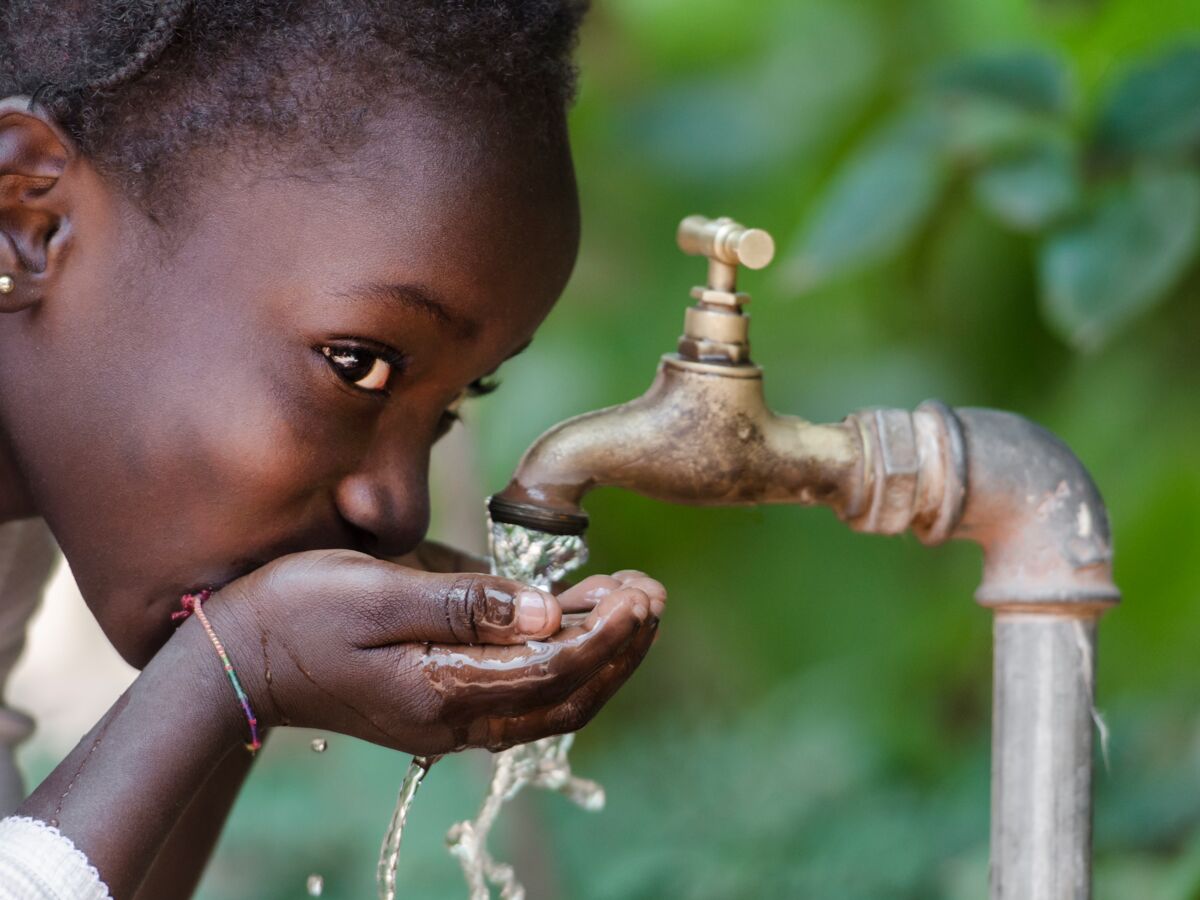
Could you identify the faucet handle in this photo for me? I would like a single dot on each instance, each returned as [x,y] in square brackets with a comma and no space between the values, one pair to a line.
[725,241]
[715,330]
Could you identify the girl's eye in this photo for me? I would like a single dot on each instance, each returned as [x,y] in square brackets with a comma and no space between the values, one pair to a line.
[365,369]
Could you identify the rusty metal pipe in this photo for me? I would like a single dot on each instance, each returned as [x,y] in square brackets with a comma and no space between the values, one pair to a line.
[1026,499]
[1047,574]
[1036,512]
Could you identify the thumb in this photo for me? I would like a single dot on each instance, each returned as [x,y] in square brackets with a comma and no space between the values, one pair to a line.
[405,605]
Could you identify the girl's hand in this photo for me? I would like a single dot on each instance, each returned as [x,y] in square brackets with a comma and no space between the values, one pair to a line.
[430,663]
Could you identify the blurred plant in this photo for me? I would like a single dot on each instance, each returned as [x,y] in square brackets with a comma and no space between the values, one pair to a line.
[1111,200]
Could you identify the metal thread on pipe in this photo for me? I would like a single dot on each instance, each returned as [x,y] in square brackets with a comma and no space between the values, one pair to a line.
[1041,833]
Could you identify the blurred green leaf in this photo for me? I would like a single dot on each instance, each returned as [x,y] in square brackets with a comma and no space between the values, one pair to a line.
[1123,257]
[1029,80]
[819,67]
[979,129]
[877,201]
[1001,104]
[1030,190]
[715,31]
[1155,109]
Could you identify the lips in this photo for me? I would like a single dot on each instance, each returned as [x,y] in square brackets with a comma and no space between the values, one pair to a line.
[226,577]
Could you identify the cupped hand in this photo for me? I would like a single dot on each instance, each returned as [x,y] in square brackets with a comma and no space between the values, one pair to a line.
[430,663]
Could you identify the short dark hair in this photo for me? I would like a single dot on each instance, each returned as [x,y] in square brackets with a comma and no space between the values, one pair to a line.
[139,84]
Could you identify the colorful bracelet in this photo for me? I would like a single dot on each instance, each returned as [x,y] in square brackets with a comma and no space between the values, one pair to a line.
[193,603]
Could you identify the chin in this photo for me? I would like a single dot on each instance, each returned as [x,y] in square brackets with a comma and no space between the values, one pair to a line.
[138,622]
[137,627]
[137,646]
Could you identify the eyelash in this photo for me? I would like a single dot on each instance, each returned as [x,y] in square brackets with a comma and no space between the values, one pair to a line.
[480,387]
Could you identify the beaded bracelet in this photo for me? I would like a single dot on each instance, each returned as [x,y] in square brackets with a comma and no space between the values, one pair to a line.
[193,603]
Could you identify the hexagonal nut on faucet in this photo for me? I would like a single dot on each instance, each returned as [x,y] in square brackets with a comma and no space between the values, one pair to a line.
[914,471]
[891,466]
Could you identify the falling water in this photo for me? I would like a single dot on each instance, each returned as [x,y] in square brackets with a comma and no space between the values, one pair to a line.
[540,559]
[534,557]
[389,852]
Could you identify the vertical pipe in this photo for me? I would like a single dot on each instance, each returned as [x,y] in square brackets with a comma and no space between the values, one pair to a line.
[1042,755]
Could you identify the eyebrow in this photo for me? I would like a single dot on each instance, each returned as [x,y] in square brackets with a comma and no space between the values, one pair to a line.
[420,299]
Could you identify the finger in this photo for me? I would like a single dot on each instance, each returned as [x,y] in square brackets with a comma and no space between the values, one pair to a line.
[514,680]
[584,596]
[574,712]
[633,597]
[399,605]
[652,588]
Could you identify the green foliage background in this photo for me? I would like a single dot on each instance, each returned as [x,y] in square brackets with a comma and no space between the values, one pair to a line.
[992,203]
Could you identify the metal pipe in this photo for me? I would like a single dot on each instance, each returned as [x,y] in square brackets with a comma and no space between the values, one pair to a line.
[1048,576]
[1017,490]
[1041,833]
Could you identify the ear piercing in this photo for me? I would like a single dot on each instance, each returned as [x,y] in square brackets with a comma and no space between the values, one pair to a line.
[7,284]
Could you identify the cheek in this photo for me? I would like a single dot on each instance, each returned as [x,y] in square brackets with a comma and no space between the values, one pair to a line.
[250,434]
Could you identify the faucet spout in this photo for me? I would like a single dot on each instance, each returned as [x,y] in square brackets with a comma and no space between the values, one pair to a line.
[701,435]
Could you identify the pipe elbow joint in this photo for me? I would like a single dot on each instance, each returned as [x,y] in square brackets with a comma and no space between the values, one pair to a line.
[1035,510]
[1001,481]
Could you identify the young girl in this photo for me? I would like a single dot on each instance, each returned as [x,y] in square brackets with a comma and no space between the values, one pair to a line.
[254,254]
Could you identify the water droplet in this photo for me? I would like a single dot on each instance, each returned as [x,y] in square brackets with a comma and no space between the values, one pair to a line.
[318,746]
[316,885]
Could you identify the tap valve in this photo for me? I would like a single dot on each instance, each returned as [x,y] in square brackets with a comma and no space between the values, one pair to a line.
[715,330]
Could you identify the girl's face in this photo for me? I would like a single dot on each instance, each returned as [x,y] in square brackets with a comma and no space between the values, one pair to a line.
[272,378]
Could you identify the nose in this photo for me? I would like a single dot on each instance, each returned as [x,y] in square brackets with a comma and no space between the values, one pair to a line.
[386,498]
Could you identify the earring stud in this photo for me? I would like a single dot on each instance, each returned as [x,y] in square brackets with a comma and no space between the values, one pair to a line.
[7,285]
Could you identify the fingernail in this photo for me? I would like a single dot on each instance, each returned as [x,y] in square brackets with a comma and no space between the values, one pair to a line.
[532,614]
[639,611]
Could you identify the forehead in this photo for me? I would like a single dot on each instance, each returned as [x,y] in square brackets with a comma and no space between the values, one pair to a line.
[476,214]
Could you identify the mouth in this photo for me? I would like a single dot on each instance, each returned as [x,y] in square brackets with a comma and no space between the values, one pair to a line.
[227,576]
[205,589]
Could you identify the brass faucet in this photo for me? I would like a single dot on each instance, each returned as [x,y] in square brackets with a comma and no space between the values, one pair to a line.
[702,434]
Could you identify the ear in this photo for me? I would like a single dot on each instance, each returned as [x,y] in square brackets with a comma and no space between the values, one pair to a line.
[35,155]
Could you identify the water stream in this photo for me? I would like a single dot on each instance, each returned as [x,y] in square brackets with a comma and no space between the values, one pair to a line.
[539,559]
[389,852]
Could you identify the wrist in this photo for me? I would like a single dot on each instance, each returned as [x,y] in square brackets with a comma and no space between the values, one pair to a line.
[144,761]
[190,661]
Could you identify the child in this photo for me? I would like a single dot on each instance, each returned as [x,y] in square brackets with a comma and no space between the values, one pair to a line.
[253,255]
